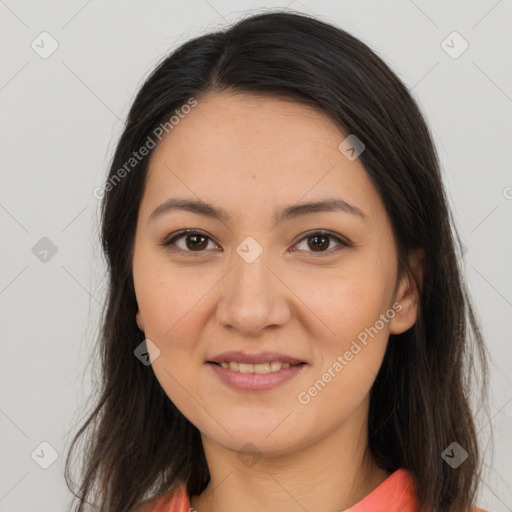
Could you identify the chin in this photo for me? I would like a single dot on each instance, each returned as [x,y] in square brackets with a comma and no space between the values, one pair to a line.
[262,439]
[260,446]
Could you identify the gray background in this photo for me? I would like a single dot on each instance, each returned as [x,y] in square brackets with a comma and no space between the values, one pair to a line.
[61,117]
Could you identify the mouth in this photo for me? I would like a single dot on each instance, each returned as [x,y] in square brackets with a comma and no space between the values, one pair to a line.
[250,372]
[267,367]
[255,377]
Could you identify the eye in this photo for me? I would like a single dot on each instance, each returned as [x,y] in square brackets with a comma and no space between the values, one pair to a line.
[319,242]
[194,241]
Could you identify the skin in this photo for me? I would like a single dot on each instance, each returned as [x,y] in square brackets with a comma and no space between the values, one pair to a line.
[251,155]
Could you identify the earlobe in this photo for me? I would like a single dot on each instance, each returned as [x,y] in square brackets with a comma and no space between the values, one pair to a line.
[140,323]
[408,295]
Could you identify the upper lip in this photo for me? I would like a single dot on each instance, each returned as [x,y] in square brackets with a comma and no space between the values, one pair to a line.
[260,357]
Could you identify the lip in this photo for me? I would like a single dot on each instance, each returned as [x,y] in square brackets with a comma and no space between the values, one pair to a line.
[255,381]
[259,357]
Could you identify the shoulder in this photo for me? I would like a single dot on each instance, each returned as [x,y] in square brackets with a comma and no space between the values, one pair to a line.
[175,500]
[399,494]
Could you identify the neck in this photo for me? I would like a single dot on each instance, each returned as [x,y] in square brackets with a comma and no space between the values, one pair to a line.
[331,474]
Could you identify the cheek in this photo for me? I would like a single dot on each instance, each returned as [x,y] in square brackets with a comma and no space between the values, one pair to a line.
[346,302]
[350,361]
[167,296]
[351,305]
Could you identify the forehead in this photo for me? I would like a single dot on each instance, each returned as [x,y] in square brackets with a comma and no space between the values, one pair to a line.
[254,150]
[244,125]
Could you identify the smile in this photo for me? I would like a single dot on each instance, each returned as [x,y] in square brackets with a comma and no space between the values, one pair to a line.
[272,366]
[255,377]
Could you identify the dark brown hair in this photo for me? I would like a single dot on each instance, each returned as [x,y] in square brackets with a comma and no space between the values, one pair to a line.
[139,444]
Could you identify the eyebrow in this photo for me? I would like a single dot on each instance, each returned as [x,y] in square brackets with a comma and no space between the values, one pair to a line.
[290,212]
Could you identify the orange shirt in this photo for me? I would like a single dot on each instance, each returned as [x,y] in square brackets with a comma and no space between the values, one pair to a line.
[395,494]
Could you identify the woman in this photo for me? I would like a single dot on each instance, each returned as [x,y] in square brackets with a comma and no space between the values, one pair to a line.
[287,326]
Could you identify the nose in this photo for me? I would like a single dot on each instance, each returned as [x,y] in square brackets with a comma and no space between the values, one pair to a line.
[253,298]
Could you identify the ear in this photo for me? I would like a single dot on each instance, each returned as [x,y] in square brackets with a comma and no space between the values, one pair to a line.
[407,294]
[140,323]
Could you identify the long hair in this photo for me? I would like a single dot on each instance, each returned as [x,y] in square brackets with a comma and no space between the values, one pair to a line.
[139,445]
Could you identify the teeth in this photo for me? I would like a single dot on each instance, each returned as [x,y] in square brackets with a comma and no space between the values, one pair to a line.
[273,366]
[246,368]
[262,368]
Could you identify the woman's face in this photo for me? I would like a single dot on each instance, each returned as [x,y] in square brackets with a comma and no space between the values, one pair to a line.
[254,283]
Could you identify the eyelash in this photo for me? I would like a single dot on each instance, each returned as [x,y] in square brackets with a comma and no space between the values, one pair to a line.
[182,234]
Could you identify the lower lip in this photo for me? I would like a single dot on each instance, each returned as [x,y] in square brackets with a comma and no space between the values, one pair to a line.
[255,381]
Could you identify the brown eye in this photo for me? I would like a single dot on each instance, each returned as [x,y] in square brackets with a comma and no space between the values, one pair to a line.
[188,241]
[194,242]
[320,241]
